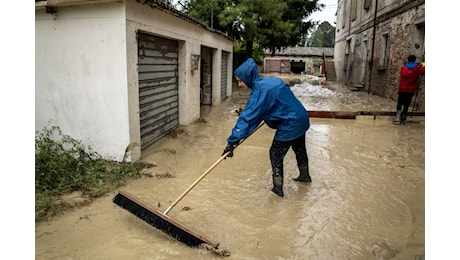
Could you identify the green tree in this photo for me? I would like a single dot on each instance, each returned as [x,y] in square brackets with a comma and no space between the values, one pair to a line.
[207,12]
[323,36]
[261,24]
[298,12]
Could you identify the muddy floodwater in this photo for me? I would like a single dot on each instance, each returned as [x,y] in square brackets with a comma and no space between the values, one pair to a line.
[366,200]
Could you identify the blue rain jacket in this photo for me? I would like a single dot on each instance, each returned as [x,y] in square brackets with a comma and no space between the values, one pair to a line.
[271,100]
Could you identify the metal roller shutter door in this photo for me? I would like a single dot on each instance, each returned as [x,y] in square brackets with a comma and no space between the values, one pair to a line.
[223,80]
[158,88]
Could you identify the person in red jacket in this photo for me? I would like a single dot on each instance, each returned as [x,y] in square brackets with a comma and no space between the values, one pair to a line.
[408,84]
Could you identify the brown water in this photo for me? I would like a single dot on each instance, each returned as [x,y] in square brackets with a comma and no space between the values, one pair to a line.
[366,201]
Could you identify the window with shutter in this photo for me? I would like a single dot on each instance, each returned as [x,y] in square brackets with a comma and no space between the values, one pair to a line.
[367,4]
[354,7]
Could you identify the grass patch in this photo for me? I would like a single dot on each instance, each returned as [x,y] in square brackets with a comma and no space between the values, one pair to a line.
[65,166]
[201,121]
[166,151]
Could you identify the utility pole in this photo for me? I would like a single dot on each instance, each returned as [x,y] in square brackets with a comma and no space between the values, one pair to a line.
[371,63]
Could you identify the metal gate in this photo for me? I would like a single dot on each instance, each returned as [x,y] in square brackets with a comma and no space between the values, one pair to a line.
[223,77]
[158,87]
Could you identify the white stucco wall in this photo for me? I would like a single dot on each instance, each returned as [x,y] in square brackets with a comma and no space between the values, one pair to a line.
[81,75]
[87,75]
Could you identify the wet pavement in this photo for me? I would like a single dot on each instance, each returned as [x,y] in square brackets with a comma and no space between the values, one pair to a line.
[366,200]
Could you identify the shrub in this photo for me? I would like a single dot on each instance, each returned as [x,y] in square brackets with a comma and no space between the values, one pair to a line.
[64,165]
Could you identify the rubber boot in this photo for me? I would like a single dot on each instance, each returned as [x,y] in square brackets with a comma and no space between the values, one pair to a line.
[403,119]
[304,175]
[398,116]
[278,185]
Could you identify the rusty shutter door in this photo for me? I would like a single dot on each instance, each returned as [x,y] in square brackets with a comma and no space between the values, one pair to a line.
[158,87]
[273,66]
[285,66]
[223,76]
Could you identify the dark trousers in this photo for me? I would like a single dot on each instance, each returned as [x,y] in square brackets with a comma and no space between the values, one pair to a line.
[404,99]
[279,149]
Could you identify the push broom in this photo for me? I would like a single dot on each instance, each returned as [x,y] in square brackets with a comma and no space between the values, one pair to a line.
[415,106]
[165,223]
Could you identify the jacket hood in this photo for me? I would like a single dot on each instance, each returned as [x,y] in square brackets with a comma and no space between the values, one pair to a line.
[248,72]
[411,65]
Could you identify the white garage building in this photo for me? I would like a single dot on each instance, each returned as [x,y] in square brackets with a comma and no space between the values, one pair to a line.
[117,72]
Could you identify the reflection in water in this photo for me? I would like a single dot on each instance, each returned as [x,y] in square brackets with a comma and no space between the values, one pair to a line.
[366,200]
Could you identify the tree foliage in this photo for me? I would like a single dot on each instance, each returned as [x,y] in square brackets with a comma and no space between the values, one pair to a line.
[323,36]
[265,24]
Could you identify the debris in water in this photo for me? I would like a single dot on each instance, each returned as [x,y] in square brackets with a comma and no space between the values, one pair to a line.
[164,175]
[382,251]
[216,250]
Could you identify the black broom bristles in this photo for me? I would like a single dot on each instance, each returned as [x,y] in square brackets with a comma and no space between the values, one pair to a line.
[161,221]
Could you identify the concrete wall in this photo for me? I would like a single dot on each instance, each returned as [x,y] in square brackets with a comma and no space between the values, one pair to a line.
[374,62]
[86,70]
[81,75]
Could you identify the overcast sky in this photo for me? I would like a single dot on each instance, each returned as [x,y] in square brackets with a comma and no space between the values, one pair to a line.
[327,14]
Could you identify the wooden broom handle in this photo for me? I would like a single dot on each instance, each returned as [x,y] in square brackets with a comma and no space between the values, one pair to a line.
[206,173]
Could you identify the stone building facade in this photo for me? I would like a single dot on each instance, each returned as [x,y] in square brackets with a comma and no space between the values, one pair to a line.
[374,39]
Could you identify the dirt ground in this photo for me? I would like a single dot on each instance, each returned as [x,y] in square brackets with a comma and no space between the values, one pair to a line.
[366,201]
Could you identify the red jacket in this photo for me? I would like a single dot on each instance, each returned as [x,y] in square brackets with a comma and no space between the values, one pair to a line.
[409,77]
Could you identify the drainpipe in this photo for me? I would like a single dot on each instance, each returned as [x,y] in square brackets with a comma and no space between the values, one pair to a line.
[324,66]
[371,63]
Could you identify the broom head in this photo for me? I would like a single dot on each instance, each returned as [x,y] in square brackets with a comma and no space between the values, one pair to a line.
[162,222]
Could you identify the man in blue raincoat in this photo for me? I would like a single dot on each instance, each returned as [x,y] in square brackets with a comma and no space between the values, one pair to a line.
[271,100]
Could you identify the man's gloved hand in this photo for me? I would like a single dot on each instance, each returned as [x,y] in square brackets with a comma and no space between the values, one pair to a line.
[423,64]
[229,148]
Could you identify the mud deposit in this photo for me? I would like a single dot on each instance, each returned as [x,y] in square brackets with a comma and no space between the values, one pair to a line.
[366,201]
